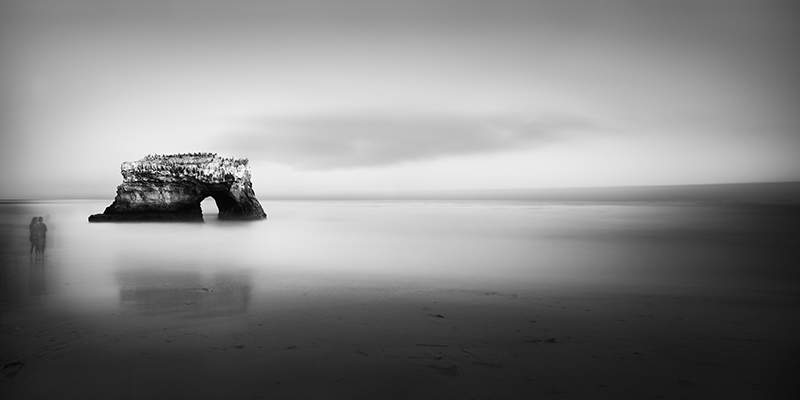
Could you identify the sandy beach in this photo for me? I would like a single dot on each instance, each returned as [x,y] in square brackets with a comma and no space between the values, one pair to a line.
[404,301]
[411,342]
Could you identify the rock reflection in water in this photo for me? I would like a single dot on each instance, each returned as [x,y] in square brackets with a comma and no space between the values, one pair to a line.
[184,294]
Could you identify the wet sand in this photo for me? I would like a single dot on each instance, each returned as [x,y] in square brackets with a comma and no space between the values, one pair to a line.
[405,301]
[395,339]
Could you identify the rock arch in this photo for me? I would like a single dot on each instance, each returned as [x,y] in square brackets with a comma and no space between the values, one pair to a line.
[171,188]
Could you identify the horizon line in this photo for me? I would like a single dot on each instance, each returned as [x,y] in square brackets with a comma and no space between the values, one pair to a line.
[775,190]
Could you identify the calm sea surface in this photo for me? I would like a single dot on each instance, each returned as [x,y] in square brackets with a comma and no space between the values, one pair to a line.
[315,245]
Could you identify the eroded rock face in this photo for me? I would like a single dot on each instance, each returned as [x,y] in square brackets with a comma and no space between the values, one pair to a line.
[171,188]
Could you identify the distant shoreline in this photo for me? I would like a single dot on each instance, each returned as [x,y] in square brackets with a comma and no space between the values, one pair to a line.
[771,192]
[767,192]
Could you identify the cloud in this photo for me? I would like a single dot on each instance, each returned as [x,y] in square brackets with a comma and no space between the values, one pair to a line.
[352,141]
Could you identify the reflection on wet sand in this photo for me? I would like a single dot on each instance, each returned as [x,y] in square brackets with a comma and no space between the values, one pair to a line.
[184,294]
[36,275]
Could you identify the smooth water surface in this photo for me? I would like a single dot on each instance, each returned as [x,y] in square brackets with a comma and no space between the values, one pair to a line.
[314,245]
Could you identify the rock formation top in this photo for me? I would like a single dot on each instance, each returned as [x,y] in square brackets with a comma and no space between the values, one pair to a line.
[171,188]
[205,167]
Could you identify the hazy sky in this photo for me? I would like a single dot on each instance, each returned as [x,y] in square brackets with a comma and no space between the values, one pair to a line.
[401,95]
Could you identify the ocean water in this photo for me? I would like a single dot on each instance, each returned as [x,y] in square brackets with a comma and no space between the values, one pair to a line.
[312,245]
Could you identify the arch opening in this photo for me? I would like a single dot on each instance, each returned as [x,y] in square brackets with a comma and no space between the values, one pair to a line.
[208,207]
[225,205]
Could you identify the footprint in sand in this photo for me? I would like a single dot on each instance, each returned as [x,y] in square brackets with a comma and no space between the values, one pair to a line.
[12,368]
[447,371]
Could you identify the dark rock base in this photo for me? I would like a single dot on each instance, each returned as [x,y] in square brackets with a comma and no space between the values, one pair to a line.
[146,217]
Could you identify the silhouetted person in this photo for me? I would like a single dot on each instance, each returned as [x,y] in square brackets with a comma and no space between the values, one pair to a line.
[40,237]
[34,220]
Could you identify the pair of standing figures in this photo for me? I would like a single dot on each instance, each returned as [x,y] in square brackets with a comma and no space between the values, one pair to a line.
[38,236]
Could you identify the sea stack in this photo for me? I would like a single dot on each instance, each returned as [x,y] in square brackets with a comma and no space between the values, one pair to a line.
[171,188]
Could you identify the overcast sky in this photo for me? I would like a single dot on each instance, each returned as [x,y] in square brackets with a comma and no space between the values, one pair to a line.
[326,96]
